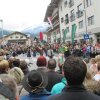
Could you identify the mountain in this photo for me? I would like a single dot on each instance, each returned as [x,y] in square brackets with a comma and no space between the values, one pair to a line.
[35,30]
[32,31]
[5,32]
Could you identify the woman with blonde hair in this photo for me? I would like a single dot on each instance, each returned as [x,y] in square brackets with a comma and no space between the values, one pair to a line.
[17,74]
[4,67]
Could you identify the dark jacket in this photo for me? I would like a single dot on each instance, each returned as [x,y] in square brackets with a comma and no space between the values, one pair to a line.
[39,96]
[75,93]
[53,78]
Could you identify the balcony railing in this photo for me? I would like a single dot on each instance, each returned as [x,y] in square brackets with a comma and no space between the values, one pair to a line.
[55,15]
[56,23]
[79,14]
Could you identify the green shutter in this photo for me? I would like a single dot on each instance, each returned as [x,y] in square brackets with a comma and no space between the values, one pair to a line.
[73,32]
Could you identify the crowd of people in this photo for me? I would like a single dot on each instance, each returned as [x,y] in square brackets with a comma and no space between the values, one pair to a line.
[77,77]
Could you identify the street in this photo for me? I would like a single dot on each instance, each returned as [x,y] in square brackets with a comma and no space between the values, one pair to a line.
[32,61]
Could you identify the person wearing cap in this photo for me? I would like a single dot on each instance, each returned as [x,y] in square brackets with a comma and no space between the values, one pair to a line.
[75,70]
[35,82]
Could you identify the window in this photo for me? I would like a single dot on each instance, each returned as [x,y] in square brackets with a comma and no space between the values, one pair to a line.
[71,3]
[21,36]
[11,37]
[67,29]
[79,12]
[62,20]
[66,19]
[81,24]
[88,3]
[72,17]
[91,20]
[65,3]
[16,37]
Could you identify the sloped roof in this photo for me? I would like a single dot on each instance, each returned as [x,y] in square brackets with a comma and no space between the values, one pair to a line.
[50,8]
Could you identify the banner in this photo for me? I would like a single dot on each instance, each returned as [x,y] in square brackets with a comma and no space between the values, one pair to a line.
[50,21]
[41,36]
[73,33]
[64,35]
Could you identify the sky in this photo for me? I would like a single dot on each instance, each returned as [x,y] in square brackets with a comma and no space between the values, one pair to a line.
[20,14]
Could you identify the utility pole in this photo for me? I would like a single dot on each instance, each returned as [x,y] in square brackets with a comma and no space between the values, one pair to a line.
[85,14]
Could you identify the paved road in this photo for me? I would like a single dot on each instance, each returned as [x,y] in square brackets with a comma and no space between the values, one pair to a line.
[34,59]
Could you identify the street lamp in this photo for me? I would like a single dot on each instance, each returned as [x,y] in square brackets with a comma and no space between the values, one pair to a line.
[2,28]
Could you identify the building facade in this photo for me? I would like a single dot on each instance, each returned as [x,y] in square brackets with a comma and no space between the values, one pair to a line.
[53,33]
[16,37]
[82,13]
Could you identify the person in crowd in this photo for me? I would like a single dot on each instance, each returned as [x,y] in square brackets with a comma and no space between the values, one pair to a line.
[4,67]
[50,53]
[6,93]
[24,67]
[29,52]
[35,82]
[90,84]
[42,63]
[17,74]
[53,76]
[11,59]
[60,62]
[16,63]
[58,88]
[97,75]
[97,58]
[75,70]
[93,65]
[11,87]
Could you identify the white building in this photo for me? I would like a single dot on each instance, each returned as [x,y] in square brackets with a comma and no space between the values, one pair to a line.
[85,14]
[16,37]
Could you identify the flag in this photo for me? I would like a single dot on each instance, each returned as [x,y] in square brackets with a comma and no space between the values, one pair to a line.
[73,32]
[50,21]
[64,35]
[41,36]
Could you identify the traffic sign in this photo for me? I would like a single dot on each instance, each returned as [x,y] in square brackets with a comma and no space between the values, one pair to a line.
[86,36]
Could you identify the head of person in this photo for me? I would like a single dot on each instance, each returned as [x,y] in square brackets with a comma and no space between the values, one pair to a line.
[4,66]
[17,74]
[97,58]
[11,88]
[93,61]
[98,66]
[35,81]
[16,63]
[52,64]
[24,67]
[41,61]
[75,70]
[11,59]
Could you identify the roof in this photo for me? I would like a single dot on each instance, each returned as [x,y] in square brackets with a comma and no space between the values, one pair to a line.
[50,8]
[14,33]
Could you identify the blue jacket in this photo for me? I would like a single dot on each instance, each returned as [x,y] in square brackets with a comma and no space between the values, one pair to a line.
[39,96]
[57,88]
